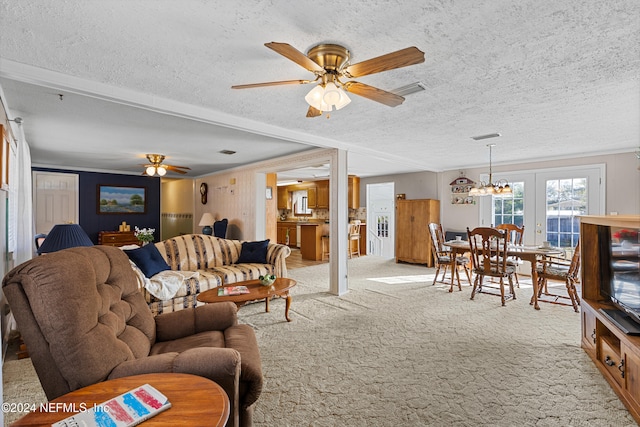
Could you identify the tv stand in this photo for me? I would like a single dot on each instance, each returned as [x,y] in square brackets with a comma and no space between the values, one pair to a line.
[622,320]
[607,336]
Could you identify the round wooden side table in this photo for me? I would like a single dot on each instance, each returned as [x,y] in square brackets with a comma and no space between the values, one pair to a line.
[195,401]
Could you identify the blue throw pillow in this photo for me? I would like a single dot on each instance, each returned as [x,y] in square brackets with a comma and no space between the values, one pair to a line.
[254,252]
[148,259]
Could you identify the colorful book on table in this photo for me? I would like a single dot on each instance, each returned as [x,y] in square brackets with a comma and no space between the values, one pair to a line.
[128,409]
[232,290]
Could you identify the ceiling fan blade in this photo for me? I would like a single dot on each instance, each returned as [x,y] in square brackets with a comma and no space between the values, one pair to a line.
[398,59]
[296,56]
[313,112]
[176,168]
[283,82]
[374,94]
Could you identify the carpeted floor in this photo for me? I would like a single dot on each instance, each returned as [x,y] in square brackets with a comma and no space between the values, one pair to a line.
[397,351]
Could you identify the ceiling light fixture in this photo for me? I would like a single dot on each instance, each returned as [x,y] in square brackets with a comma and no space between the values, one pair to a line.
[327,95]
[156,167]
[501,187]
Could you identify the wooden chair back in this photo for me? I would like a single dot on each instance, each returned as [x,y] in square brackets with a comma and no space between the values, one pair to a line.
[516,234]
[489,251]
[354,229]
[437,239]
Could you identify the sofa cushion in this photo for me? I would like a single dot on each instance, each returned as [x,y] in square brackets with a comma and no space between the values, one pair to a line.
[148,259]
[254,252]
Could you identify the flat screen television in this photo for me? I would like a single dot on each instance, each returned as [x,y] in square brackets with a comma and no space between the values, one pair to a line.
[620,281]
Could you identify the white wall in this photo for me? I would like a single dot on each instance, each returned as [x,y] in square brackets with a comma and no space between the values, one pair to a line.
[232,193]
[622,186]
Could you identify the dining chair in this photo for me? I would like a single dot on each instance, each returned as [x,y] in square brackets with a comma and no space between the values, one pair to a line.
[354,238]
[563,270]
[489,258]
[516,237]
[444,257]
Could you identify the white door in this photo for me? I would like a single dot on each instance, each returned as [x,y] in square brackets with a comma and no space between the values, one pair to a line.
[55,199]
[548,203]
[381,219]
[565,195]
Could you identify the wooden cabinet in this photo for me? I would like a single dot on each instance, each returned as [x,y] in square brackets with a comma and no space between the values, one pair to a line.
[282,230]
[284,198]
[312,197]
[413,242]
[311,241]
[322,189]
[117,238]
[354,192]
[363,239]
[615,354]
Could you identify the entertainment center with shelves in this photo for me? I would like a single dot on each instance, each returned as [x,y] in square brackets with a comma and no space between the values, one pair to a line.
[609,334]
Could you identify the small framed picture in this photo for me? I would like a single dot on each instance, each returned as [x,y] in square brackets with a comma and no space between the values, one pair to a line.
[269,193]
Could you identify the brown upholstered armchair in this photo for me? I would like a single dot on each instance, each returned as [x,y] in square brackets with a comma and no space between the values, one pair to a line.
[84,320]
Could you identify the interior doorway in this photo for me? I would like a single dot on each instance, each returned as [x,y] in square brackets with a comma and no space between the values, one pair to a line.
[55,199]
[381,219]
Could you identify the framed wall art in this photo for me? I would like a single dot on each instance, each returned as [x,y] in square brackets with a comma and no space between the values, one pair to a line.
[114,199]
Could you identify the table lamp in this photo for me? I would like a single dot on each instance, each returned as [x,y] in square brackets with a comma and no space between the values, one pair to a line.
[63,236]
[207,221]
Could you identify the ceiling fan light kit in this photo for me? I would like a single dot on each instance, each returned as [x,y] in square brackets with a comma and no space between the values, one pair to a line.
[157,167]
[330,62]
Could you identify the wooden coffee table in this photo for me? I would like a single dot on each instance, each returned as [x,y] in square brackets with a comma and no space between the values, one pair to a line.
[195,401]
[257,291]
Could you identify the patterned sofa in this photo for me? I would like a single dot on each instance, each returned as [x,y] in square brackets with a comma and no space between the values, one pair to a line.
[216,262]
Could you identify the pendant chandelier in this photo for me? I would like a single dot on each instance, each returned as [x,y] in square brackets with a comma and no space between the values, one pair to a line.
[491,188]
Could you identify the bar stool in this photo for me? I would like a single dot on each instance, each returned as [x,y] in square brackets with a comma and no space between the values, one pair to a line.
[354,236]
[325,246]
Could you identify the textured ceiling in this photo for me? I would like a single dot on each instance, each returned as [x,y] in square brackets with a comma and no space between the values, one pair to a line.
[555,78]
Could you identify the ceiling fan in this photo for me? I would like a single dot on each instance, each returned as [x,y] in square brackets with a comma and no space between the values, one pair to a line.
[157,167]
[330,63]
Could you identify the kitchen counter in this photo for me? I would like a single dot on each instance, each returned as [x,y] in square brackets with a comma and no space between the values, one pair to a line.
[311,239]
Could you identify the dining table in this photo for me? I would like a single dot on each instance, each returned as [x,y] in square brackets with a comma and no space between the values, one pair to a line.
[524,252]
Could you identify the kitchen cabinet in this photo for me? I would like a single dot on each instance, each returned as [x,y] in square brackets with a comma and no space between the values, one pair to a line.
[284,198]
[291,228]
[413,243]
[354,192]
[322,190]
[312,197]
[311,241]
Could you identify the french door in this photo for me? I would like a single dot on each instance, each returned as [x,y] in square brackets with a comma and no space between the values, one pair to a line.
[548,203]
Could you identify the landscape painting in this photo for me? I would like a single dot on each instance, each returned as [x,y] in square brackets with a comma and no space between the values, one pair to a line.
[121,200]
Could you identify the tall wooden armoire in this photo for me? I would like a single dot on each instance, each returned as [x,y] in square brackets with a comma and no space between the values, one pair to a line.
[413,243]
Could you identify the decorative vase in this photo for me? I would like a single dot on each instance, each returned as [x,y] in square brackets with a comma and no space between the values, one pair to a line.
[626,244]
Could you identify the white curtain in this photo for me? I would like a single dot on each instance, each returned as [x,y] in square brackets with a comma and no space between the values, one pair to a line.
[21,189]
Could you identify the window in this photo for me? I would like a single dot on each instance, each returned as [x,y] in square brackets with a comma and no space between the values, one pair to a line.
[509,209]
[566,200]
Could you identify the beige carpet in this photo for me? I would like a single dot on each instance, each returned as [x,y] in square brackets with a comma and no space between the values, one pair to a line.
[397,351]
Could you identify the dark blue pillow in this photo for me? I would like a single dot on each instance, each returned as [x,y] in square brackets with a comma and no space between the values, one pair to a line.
[220,228]
[254,252]
[148,259]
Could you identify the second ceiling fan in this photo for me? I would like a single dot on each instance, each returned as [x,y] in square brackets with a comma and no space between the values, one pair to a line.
[330,64]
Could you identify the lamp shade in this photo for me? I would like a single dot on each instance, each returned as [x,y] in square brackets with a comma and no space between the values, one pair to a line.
[63,236]
[207,221]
